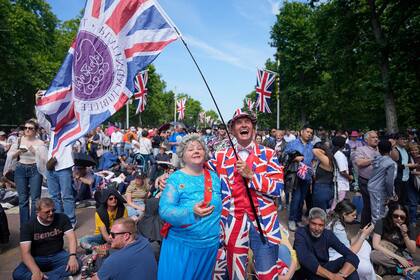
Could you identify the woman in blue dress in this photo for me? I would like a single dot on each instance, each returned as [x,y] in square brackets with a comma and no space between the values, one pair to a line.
[190,247]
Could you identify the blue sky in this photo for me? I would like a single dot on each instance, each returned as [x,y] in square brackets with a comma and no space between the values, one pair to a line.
[229,39]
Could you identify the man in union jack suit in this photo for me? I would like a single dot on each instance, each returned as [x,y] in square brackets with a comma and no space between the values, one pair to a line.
[259,170]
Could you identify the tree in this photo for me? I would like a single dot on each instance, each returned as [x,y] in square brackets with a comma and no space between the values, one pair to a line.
[345,62]
[27,57]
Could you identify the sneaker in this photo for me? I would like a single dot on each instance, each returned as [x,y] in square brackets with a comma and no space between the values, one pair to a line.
[292,225]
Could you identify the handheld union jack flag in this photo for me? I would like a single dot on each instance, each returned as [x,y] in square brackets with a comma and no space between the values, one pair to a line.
[265,85]
[115,40]
[250,104]
[140,83]
[180,105]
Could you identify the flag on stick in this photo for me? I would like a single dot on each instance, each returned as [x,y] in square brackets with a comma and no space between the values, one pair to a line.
[116,40]
[141,94]
[202,117]
[250,104]
[181,108]
[265,85]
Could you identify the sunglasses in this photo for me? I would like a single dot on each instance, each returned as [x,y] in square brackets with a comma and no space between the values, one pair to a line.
[112,198]
[28,128]
[113,234]
[401,217]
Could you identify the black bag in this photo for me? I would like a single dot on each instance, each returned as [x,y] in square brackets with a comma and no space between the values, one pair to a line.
[51,163]
[4,227]
[291,178]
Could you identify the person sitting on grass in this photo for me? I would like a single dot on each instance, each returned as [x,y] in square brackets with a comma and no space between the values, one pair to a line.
[111,207]
[344,215]
[393,242]
[41,245]
[133,256]
[312,244]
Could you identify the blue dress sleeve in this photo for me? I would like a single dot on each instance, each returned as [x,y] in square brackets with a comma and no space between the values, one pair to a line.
[169,208]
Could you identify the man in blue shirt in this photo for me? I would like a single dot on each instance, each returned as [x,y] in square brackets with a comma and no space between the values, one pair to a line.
[304,146]
[176,137]
[134,258]
[311,245]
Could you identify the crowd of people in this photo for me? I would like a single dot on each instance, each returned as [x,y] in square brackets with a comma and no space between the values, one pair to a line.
[181,203]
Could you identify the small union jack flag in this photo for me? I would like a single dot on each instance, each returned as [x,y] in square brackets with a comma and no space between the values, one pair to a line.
[250,104]
[304,172]
[238,112]
[265,84]
[208,119]
[140,83]
[202,117]
[181,108]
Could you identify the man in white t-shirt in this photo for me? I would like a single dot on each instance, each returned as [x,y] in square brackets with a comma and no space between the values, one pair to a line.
[116,141]
[344,178]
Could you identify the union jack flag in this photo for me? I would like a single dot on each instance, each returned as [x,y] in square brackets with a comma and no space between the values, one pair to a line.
[116,40]
[141,95]
[238,112]
[180,105]
[304,172]
[250,104]
[202,117]
[265,85]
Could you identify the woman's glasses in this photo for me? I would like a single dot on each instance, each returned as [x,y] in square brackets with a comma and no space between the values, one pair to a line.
[28,128]
[401,217]
[112,198]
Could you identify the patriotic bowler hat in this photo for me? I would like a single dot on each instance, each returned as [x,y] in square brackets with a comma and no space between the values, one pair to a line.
[243,114]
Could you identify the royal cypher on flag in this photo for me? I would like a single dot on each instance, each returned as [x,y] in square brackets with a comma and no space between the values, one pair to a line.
[115,40]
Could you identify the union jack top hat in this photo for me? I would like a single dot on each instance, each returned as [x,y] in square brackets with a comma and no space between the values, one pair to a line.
[239,113]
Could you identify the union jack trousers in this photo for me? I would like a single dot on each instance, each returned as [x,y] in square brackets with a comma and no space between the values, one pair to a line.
[237,232]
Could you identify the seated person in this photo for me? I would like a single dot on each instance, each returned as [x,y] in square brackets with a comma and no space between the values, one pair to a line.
[133,259]
[110,208]
[136,193]
[151,224]
[41,245]
[393,242]
[83,181]
[312,244]
[130,175]
[344,214]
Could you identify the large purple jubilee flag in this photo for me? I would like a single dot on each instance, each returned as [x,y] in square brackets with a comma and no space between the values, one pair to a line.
[116,40]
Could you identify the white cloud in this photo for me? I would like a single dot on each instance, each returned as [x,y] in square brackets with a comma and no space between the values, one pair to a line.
[216,53]
[275,6]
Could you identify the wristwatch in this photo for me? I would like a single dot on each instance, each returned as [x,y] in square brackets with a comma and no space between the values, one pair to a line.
[72,254]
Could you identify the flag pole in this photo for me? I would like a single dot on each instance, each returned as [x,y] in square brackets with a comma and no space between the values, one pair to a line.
[278,94]
[254,210]
[175,105]
[127,115]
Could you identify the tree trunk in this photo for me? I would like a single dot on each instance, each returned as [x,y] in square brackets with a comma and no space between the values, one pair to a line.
[389,102]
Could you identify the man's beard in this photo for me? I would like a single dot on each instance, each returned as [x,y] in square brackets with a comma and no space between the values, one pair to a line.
[315,235]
